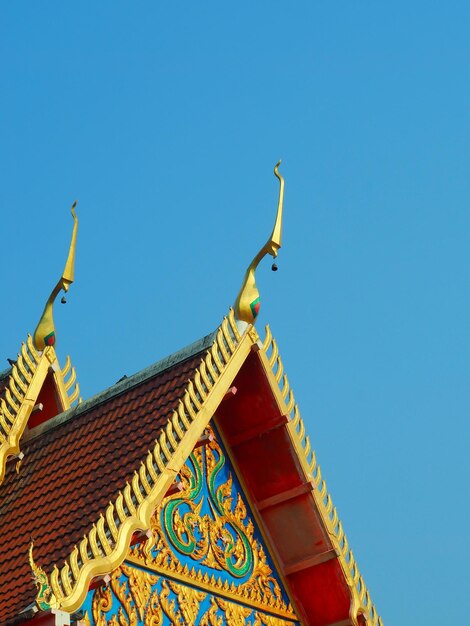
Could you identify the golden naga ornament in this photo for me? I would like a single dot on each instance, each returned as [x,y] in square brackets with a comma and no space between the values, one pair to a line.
[247,304]
[44,335]
[45,598]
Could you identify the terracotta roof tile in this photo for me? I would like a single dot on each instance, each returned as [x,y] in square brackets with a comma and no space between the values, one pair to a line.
[75,464]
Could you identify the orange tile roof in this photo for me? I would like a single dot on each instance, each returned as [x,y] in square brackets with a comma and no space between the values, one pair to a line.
[75,464]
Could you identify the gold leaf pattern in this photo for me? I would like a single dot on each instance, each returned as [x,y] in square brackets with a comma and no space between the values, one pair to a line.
[125,603]
[220,540]
[158,585]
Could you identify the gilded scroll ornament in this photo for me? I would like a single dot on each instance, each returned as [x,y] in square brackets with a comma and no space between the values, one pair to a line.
[133,591]
[204,563]
[204,536]
[218,539]
[222,612]
[189,600]
[207,524]
[132,597]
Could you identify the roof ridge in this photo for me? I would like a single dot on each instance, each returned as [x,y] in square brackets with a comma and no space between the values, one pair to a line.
[121,386]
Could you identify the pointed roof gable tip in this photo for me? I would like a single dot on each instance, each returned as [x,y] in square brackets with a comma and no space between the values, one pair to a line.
[20,390]
[248,301]
[45,335]
[35,383]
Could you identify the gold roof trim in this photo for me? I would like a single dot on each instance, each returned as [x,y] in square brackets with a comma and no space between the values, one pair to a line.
[106,545]
[24,384]
[25,381]
[71,388]
[361,601]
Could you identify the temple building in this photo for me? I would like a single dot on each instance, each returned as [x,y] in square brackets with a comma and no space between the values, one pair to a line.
[185,494]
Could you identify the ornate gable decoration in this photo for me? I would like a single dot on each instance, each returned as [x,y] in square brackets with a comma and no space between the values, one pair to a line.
[22,391]
[204,563]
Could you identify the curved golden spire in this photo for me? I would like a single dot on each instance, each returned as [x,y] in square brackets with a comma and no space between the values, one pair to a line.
[247,303]
[44,335]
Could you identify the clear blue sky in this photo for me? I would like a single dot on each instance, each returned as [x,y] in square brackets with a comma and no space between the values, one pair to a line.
[165,120]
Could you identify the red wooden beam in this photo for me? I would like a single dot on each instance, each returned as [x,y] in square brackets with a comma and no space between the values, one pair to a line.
[309,561]
[259,430]
[284,496]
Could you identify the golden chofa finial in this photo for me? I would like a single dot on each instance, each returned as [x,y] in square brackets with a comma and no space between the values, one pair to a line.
[247,304]
[44,335]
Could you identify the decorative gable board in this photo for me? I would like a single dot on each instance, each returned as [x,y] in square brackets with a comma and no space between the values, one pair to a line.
[205,562]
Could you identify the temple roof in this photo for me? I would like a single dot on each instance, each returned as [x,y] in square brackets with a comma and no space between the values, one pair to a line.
[74,465]
[92,476]
[80,481]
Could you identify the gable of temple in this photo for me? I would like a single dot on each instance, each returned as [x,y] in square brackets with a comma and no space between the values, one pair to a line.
[187,493]
[32,391]
[36,388]
[205,561]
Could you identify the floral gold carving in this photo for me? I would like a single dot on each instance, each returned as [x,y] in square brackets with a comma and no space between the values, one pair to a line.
[204,562]
[141,603]
[186,542]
